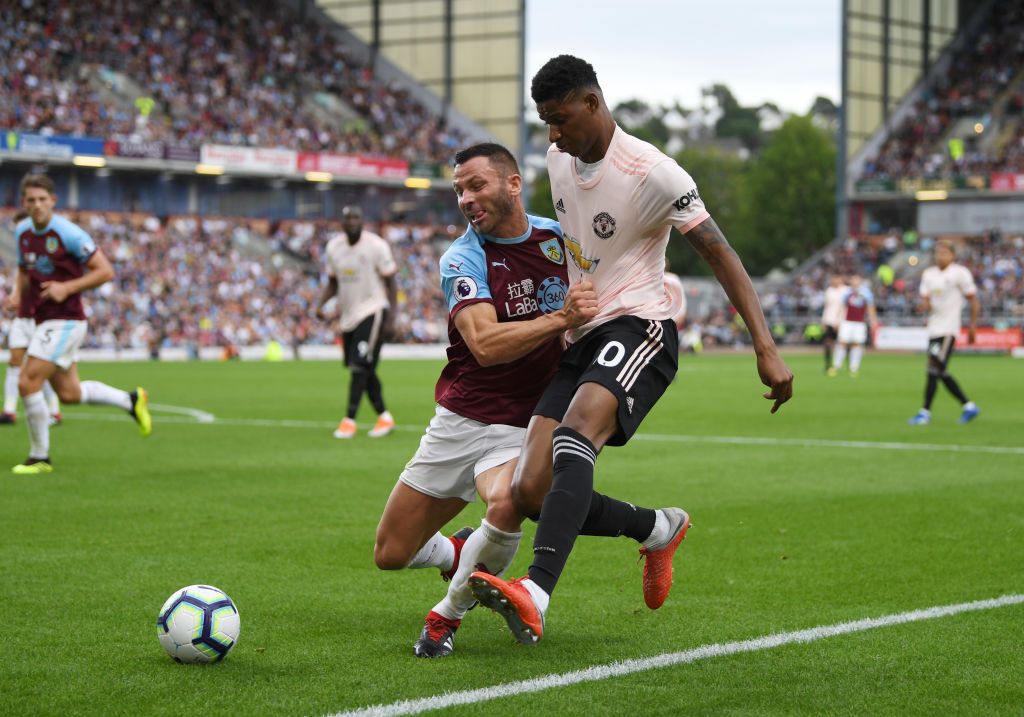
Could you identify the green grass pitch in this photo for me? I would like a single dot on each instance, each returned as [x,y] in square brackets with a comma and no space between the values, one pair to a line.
[827,512]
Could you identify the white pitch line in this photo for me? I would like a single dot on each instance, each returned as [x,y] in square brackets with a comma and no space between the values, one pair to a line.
[200,416]
[194,415]
[826,443]
[629,667]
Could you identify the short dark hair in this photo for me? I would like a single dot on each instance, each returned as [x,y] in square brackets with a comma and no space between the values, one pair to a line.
[500,158]
[562,76]
[39,181]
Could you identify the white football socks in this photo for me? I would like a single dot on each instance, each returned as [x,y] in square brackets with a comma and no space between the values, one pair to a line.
[540,597]
[38,420]
[659,534]
[437,552]
[11,389]
[52,402]
[856,354]
[100,393]
[839,356]
[488,549]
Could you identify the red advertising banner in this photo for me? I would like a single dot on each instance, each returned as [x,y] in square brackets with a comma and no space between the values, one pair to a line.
[990,339]
[1005,182]
[344,165]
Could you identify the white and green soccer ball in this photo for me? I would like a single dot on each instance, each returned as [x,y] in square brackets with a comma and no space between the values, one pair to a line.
[198,624]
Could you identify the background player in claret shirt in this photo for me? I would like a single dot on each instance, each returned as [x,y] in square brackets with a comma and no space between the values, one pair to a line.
[858,307]
[616,199]
[18,337]
[505,282]
[944,287]
[832,315]
[57,260]
[361,273]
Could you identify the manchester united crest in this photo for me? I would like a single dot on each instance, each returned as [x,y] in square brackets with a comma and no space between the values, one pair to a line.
[604,225]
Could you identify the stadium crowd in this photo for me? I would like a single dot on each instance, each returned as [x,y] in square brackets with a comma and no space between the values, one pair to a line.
[204,79]
[196,281]
[996,261]
[988,68]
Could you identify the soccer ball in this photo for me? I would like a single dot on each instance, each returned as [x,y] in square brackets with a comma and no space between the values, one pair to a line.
[198,624]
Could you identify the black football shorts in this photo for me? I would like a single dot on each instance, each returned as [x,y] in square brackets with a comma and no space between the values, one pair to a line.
[636,359]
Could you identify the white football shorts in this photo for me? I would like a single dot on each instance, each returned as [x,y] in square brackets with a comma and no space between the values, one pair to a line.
[853,332]
[21,333]
[58,341]
[455,450]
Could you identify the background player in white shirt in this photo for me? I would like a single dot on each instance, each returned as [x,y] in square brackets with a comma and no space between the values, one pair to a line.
[361,273]
[832,315]
[616,199]
[944,287]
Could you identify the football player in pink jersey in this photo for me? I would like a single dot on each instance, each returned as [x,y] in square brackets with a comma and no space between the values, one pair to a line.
[616,198]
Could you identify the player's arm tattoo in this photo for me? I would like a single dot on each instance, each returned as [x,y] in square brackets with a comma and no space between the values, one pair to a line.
[709,241]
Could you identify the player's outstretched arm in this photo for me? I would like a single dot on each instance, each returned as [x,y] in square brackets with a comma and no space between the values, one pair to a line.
[714,248]
[493,342]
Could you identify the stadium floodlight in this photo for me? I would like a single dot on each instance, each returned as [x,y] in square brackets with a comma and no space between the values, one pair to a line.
[88,160]
[209,169]
[319,176]
[931,195]
[417,182]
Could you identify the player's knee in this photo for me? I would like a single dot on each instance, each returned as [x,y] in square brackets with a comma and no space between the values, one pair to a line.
[526,498]
[502,513]
[389,555]
[69,394]
[29,384]
[359,369]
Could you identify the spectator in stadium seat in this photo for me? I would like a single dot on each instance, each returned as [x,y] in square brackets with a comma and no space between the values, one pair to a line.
[361,274]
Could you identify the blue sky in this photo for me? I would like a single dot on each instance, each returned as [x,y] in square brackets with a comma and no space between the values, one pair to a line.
[661,51]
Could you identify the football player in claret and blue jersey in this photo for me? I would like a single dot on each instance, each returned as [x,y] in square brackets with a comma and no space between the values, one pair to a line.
[57,260]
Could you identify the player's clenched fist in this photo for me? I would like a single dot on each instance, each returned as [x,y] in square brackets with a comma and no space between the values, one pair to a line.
[580,303]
